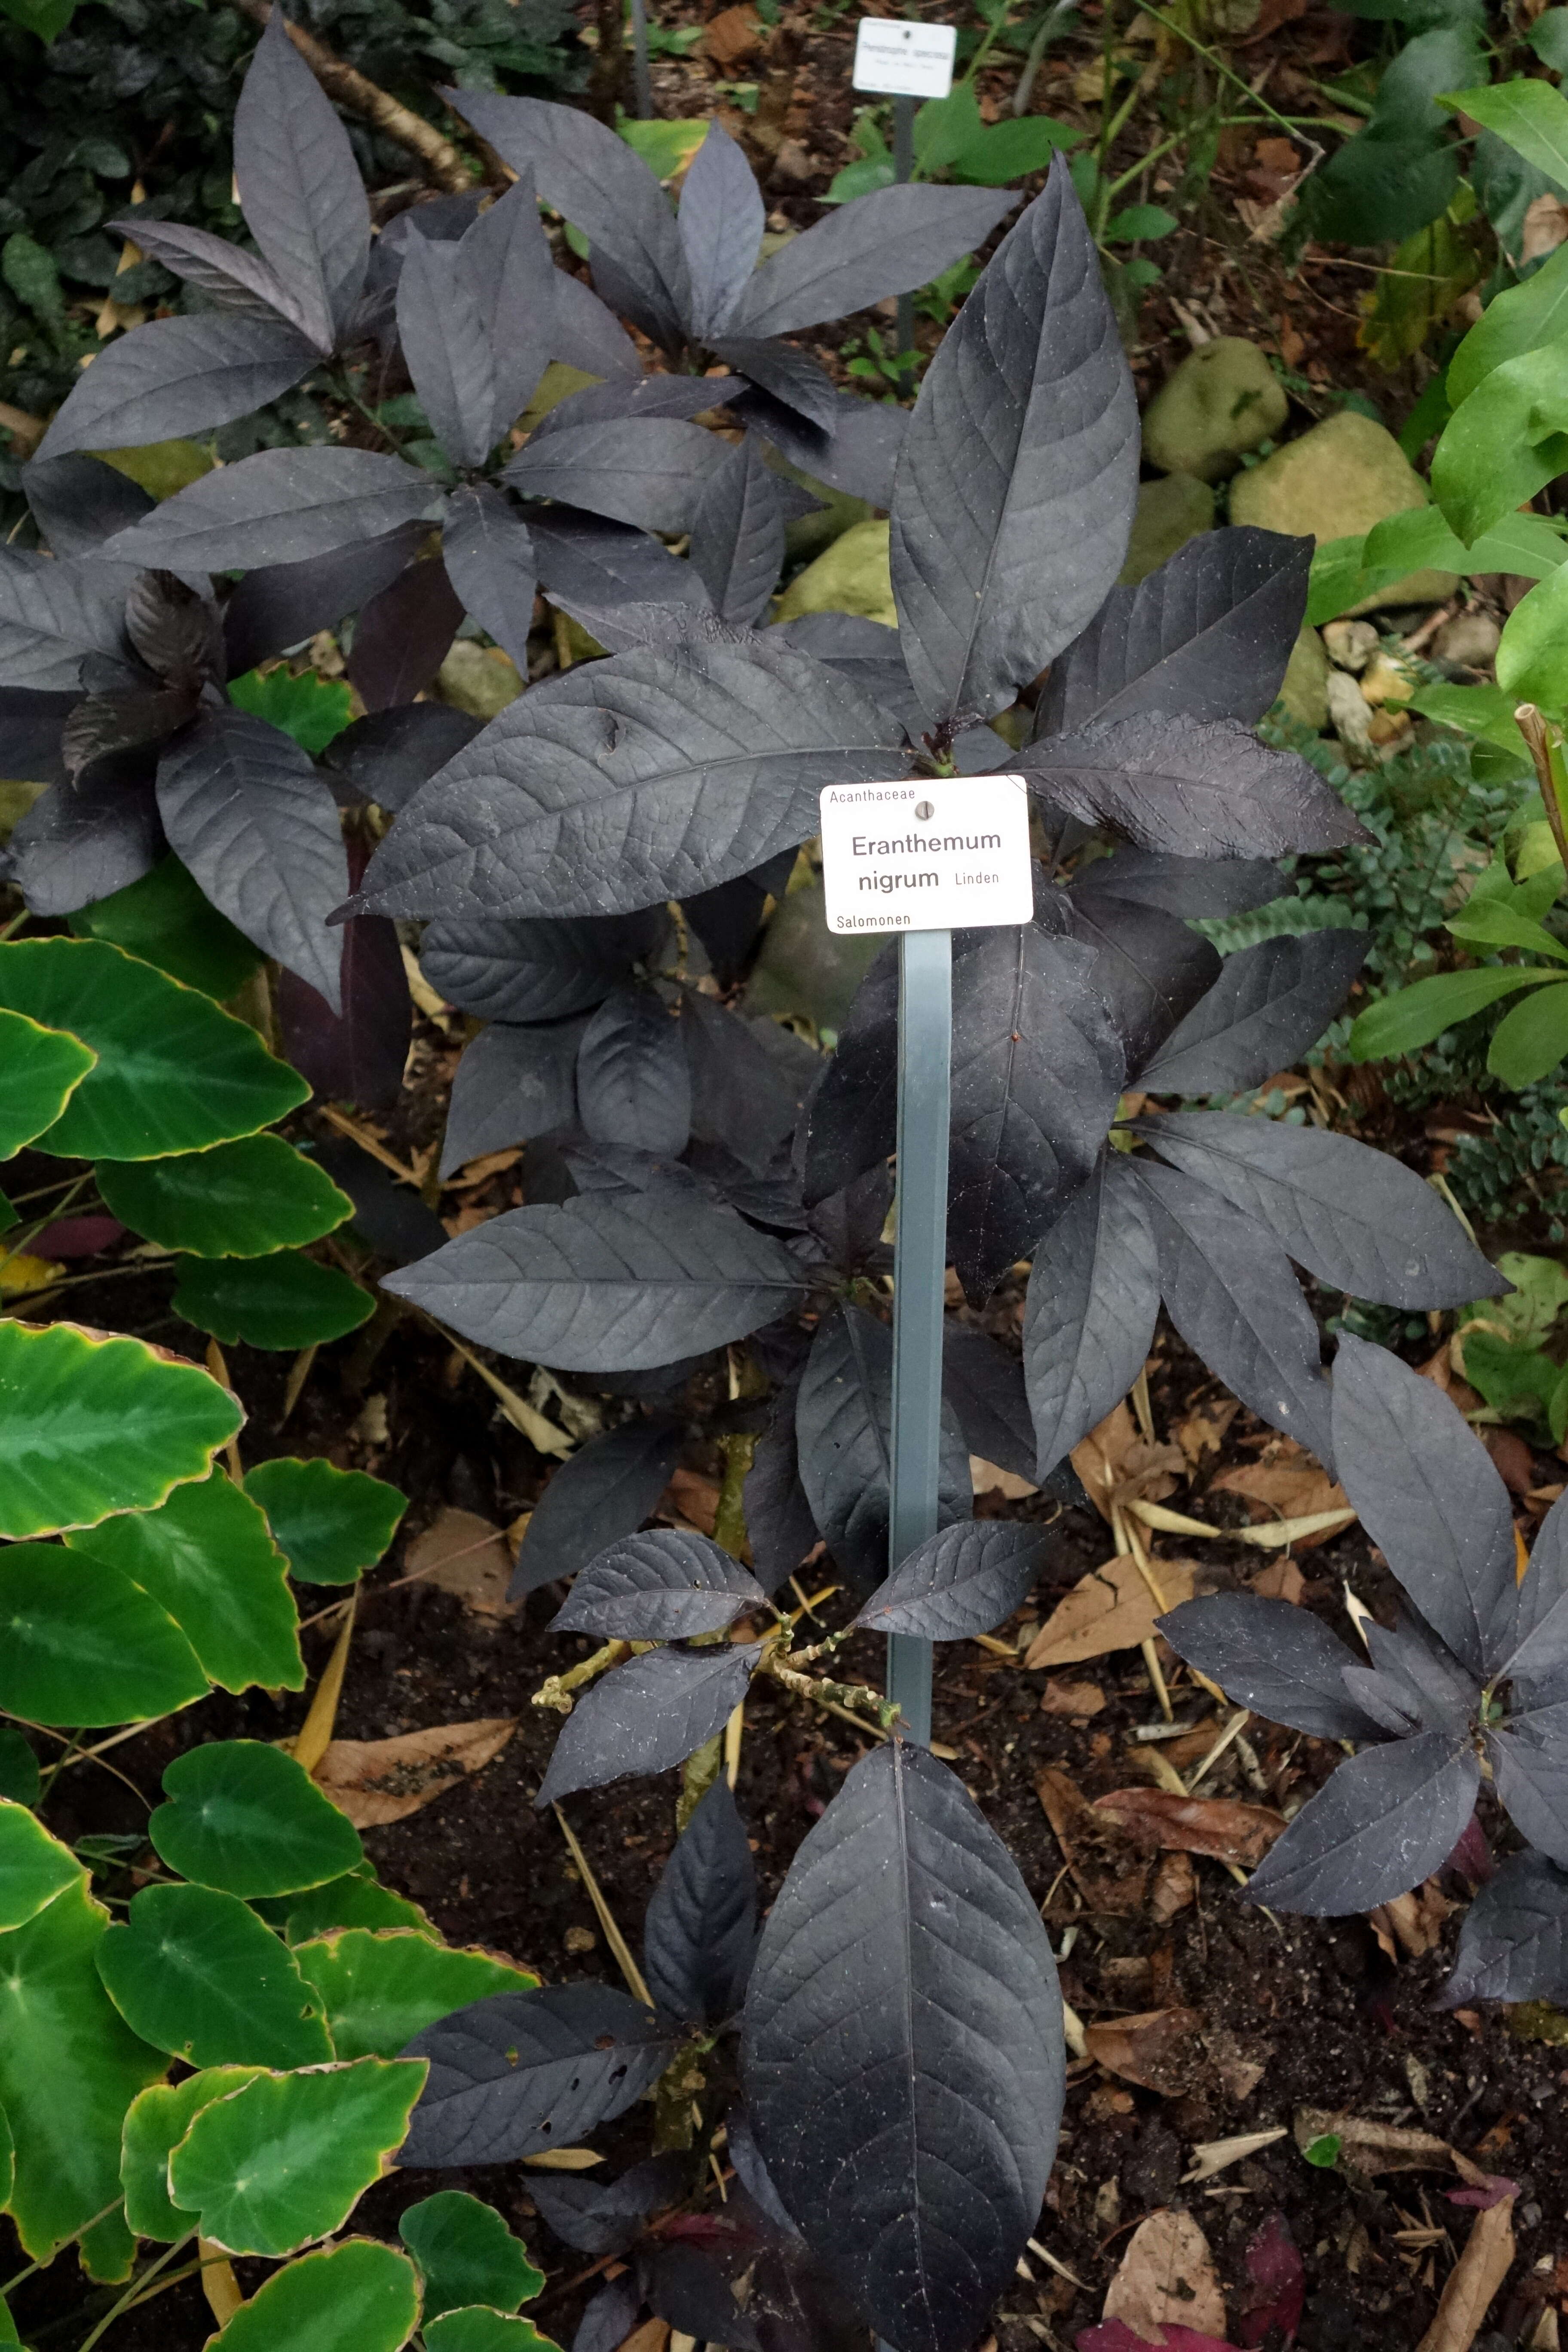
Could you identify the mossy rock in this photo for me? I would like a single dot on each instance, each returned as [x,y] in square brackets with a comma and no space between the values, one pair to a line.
[1176,507]
[803,968]
[1336,482]
[161,468]
[1304,688]
[1220,401]
[478,679]
[851,576]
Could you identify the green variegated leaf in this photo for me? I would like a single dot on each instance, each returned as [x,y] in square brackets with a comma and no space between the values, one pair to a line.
[328,1524]
[155,2122]
[195,1973]
[246,1818]
[379,1989]
[241,1199]
[43,1069]
[81,1644]
[283,1300]
[360,2296]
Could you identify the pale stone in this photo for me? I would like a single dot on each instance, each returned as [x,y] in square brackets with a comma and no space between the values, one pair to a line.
[1386,680]
[1176,507]
[851,576]
[479,681]
[1469,640]
[1336,482]
[1218,402]
[1350,643]
[1304,688]
[1350,714]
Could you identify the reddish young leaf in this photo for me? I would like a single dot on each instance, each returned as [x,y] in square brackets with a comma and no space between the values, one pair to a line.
[1115,2336]
[1274,2267]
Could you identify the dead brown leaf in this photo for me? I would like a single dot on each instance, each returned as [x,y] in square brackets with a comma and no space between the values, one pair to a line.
[464,1554]
[1203,1431]
[1280,1580]
[1473,2282]
[1167,2279]
[1109,1609]
[1117,1465]
[1110,1869]
[734,35]
[1175,1885]
[1215,1826]
[691,1498]
[1413,1922]
[1371,2148]
[378,1780]
[1545,227]
[1162,2050]
[651,2337]
[1077,1700]
[989,1477]
[1291,1484]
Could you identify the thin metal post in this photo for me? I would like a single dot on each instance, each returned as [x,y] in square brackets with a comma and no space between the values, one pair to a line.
[903,168]
[920,1264]
[642,82]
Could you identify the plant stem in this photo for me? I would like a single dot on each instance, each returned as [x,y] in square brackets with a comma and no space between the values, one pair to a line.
[1214,59]
[1537,735]
[1115,186]
[7,2284]
[133,2293]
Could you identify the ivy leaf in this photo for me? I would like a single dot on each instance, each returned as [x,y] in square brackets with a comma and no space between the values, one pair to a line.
[359,2288]
[312,709]
[246,1819]
[282,1300]
[85,1645]
[235,1199]
[195,1973]
[328,1524]
[467,2254]
[378,1987]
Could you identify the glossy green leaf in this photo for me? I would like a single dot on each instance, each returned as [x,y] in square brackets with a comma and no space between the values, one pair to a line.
[1482,710]
[1517,1381]
[287,2159]
[1530,115]
[1512,322]
[1485,923]
[207,1556]
[81,1644]
[43,1069]
[155,2123]
[91,1424]
[330,1524]
[1413,1016]
[238,1200]
[479,2329]
[167,920]
[70,2067]
[1531,1039]
[34,1868]
[19,1777]
[467,2254]
[1533,656]
[357,1899]
[1505,441]
[360,2296]
[174,1073]
[310,707]
[195,1973]
[380,1989]
[246,1819]
[283,1301]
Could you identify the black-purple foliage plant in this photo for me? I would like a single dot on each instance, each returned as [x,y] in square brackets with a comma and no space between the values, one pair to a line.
[900,2039]
[1474,1676]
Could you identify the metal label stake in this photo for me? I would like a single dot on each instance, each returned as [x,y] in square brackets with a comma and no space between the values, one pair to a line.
[903,171]
[919,1267]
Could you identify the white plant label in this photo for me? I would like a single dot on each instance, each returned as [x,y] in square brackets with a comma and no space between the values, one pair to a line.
[900,60]
[938,853]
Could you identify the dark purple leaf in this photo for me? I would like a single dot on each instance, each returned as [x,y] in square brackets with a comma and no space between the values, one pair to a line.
[505,258]
[1204,787]
[633,1085]
[489,561]
[779,1525]
[442,328]
[603,2217]
[244,808]
[664,1586]
[721,221]
[599,571]
[843,1420]
[602,1494]
[386,757]
[1151,967]
[1233,1297]
[1513,1945]
[1434,1690]
[389,1216]
[1386,1820]
[403,636]
[300,187]
[746,1093]
[538,971]
[107,739]
[282,506]
[1090,1311]
[630,782]
[1530,1764]
[1182,886]
[984,1383]
[1207,636]
[520,2072]
[700,1936]
[611,2311]
[605,190]
[902,2051]
[965,1579]
[280,605]
[1268,1004]
[727,919]
[82,843]
[358,1056]
[587,333]
[176,631]
[1429,1497]
[513,1083]
[738,534]
[53,614]
[1355,1218]
[787,375]
[231,279]
[1273,1657]
[647,1716]
[623,1283]
[179,376]
[651,474]
[72,1237]
[886,242]
[32,728]
[752,2173]
[857,456]
[683,2285]
[1536,1640]
[1017,480]
[78,503]
[615,402]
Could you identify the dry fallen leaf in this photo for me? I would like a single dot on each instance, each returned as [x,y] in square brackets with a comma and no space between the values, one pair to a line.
[1369,2148]
[378,1780]
[691,1499]
[1111,1608]
[464,1554]
[1473,2282]
[1217,1826]
[1117,1465]
[1203,1431]
[1078,1701]
[1173,1886]
[1293,1485]
[1110,1869]
[1162,2050]
[1212,2155]
[651,2337]
[1280,1580]
[1167,2279]
[1412,1921]
[990,1478]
